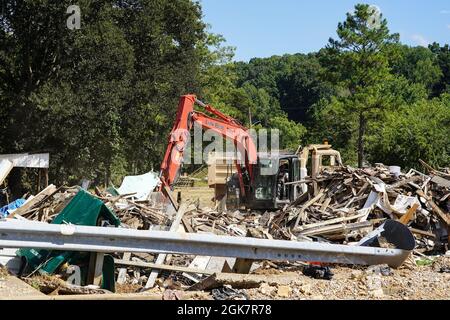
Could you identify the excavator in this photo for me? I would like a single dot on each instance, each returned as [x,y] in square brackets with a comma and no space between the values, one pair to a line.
[264,181]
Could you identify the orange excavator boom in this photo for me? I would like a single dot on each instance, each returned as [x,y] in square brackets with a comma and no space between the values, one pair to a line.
[226,126]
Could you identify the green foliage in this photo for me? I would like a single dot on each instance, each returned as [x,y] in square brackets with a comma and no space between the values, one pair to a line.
[443,60]
[358,63]
[102,99]
[224,89]
[357,82]
[417,131]
[418,65]
[291,133]
[292,81]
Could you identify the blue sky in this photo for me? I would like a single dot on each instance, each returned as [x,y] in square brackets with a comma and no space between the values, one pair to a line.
[262,28]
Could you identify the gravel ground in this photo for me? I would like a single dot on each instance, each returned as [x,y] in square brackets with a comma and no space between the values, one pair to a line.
[407,283]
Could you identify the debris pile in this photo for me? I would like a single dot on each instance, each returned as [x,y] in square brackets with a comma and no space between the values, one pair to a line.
[47,204]
[343,206]
[134,214]
[348,203]
[139,215]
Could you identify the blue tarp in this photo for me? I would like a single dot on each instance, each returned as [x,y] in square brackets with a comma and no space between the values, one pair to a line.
[6,210]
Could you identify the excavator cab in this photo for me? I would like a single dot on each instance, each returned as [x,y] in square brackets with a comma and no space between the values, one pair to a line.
[271,188]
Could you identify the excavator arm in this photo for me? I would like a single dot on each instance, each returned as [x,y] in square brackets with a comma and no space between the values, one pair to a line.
[226,126]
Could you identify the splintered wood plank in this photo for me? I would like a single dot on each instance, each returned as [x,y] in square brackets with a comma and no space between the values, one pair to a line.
[162,257]
[161,267]
[325,204]
[187,225]
[242,266]
[330,222]
[337,229]
[34,201]
[423,233]
[306,206]
[407,217]
[445,217]
[122,276]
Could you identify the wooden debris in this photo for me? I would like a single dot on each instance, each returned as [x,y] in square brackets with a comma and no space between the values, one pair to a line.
[409,215]
[341,211]
[243,281]
[160,260]
[35,201]
[445,217]
[160,267]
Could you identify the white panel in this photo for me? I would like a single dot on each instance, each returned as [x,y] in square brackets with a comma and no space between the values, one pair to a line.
[5,169]
[25,160]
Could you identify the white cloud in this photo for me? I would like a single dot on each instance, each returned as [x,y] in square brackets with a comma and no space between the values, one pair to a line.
[420,40]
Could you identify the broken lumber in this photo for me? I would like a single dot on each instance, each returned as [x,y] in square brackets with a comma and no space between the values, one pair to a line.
[34,201]
[243,281]
[306,206]
[162,257]
[330,222]
[160,267]
[409,214]
[445,217]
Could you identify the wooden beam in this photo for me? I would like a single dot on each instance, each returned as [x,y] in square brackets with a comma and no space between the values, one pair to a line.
[329,222]
[160,267]
[306,206]
[337,228]
[121,277]
[187,225]
[445,217]
[407,217]
[423,233]
[46,177]
[168,193]
[162,257]
[95,272]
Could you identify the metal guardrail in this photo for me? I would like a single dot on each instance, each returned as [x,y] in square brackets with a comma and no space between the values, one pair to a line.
[26,234]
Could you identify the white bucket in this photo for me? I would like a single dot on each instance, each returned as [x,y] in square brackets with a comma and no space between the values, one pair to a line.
[395,170]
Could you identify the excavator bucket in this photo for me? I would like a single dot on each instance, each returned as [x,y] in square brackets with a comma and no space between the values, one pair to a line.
[165,202]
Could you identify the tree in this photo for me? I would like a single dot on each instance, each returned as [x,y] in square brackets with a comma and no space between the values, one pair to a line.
[417,131]
[302,87]
[225,88]
[357,63]
[168,39]
[291,133]
[417,64]
[102,98]
[443,60]
[88,99]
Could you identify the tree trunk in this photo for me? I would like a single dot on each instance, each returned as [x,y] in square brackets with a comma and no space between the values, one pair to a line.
[362,132]
[107,175]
